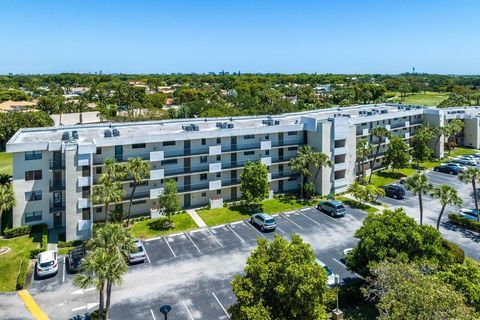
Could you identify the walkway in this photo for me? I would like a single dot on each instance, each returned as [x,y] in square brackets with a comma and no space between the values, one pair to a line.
[52,239]
[196,218]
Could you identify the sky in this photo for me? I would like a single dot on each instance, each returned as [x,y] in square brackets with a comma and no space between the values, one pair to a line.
[148,36]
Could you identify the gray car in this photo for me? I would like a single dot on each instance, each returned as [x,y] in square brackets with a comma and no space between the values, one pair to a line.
[263,221]
[332,207]
[139,254]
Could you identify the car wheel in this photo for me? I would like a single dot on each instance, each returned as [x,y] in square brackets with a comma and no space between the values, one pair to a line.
[262,228]
[394,196]
[435,169]
[451,172]
[251,220]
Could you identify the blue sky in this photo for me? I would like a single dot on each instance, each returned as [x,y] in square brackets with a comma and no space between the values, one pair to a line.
[349,36]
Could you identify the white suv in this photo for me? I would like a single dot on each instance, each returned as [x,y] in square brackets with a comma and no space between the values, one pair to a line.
[47,263]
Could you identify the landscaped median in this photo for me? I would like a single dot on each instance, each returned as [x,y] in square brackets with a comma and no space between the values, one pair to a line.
[464,222]
[150,228]
[356,205]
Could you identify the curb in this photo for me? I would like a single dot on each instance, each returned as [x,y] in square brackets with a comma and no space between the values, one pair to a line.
[31,305]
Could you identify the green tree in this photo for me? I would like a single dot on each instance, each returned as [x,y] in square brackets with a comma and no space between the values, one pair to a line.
[168,200]
[447,195]
[106,193]
[299,164]
[365,192]
[404,292]
[7,199]
[318,160]
[418,184]
[364,150]
[453,128]
[397,156]
[419,143]
[380,133]
[139,170]
[254,182]
[52,104]
[472,175]
[281,280]
[393,234]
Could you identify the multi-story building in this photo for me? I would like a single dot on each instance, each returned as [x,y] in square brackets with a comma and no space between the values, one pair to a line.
[56,168]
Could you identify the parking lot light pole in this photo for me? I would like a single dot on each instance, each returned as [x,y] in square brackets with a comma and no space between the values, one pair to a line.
[337,314]
[165,310]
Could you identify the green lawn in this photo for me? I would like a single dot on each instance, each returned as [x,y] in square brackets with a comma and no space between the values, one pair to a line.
[427,98]
[182,221]
[6,163]
[460,151]
[10,262]
[213,217]
[383,177]
[355,204]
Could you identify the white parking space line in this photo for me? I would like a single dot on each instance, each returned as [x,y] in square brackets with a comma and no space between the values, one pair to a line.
[153,315]
[280,230]
[316,222]
[64,268]
[241,239]
[305,209]
[288,212]
[248,223]
[340,263]
[146,254]
[221,305]
[168,244]
[192,242]
[234,223]
[215,238]
[188,311]
[284,216]
[217,227]
[327,216]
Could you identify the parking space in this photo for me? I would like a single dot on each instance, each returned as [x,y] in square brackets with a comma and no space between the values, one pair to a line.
[51,282]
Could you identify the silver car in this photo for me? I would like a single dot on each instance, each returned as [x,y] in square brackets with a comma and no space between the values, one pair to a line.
[46,263]
[138,255]
[263,221]
[329,272]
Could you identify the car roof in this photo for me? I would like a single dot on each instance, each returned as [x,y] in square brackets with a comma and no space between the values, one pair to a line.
[335,202]
[263,214]
[46,256]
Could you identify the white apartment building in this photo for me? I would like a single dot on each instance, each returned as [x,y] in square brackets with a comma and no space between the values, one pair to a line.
[55,169]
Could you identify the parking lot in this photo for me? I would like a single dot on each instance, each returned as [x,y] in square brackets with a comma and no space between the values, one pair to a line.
[192,271]
[469,241]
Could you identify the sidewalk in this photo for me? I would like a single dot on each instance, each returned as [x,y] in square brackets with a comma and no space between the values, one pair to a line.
[200,223]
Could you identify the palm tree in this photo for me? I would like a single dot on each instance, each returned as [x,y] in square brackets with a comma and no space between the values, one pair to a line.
[138,169]
[114,240]
[471,175]
[300,164]
[107,192]
[7,200]
[447,196]
[380,133]
[418,184]
[113,170]
[319,160]
[82,106]
[364,149]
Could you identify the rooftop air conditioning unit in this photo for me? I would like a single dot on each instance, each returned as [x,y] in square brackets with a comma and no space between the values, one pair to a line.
[66,136]
[116,133]
[75,134]
[230,125]
[107,133]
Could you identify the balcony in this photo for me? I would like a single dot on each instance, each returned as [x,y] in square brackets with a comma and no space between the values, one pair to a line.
[214,150]
[57,186]
[265,145]
[266,161]
[339,183]
[340,151]
[157,174]
[57,208]
[155,193]
[214,185]
[157,156]
[340,166]
[83,160]
[57,165]
[83,203]
[84,181]
[214,167]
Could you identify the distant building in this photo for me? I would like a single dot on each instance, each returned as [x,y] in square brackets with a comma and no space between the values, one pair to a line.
[291,99]
[18,106]
[323,88]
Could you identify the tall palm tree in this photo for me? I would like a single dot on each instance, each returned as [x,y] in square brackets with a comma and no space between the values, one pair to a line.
[113,170]
[7,200]
[472,175]
[418,184]
[319,160]
[447,195]
[364,149]
[106,193]
[138,169]
[380,133]
[115,240]
[300,164]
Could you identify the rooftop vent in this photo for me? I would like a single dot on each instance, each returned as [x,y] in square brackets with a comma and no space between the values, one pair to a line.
[225,125]
[107,133]
[75,134]
[116,133]
[66,136]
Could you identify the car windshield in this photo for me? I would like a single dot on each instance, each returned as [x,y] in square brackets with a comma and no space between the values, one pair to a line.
[269,221]
[46,264]
[327,269]
[139,248]
[340,207]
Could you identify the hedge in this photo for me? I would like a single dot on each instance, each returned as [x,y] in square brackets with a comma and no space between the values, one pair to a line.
[455,254]
[22,274]
[73,243]
[464,222]
[16,232]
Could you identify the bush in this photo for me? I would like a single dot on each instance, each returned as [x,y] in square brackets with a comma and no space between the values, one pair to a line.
[309,190]
[35,252]
[73,243]
[22,274]
[17,232]
[349,295]
[454,253]
[159,224]
[464,222]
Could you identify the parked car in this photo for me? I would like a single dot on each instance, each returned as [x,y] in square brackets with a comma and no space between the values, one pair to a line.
[139,254]
[471,157]
[456,165]
[332,207]
[447,169]
[394,191]
[46,263]
[465,161]
[264,221]
[346,252]
[74,258]
[468,213]
[330,274]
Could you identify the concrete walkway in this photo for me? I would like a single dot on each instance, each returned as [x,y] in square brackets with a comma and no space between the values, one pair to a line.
[196,218]
[52,239]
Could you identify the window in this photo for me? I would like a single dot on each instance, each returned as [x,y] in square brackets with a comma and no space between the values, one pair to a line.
[267,152]
[364,124]
[292,148]
[33,195]
[249,136]
[395,119]
[33,155]
[98,209]
[219,191]
[267,137]
[33,175]
[99,150]
[204,142]
[219,174]
[203,176]
[292,133]
[204,194]
[219,140]
[139,145]
[248,153]
[169,161]
[98,170]
[203,159]
[219,157]
[139,202]
[168,143]
[33,216]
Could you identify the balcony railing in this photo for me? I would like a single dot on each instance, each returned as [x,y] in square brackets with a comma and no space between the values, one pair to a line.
[57,207]
[57,186]
[57,165]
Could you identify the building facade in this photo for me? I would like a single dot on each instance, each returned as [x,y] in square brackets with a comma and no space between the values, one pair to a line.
[56,168]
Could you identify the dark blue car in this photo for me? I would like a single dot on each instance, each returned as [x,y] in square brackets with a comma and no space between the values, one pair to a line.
[447,169]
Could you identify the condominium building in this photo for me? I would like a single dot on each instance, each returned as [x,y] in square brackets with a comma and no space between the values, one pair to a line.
[55,169]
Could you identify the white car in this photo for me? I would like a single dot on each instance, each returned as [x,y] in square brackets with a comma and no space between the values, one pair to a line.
[138,255]
[346,252]
[330,274]
[46,263]
[465,161]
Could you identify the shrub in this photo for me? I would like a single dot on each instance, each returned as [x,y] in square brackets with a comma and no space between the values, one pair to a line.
[159,224]
[35,252]
[17,232]
[349,294]
[22,274]
[464,222]
[453,252]
[74,243]
[309,190]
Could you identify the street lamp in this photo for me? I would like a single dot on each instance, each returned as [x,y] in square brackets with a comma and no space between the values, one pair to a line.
[165,310]
[337,283]
[337,313]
